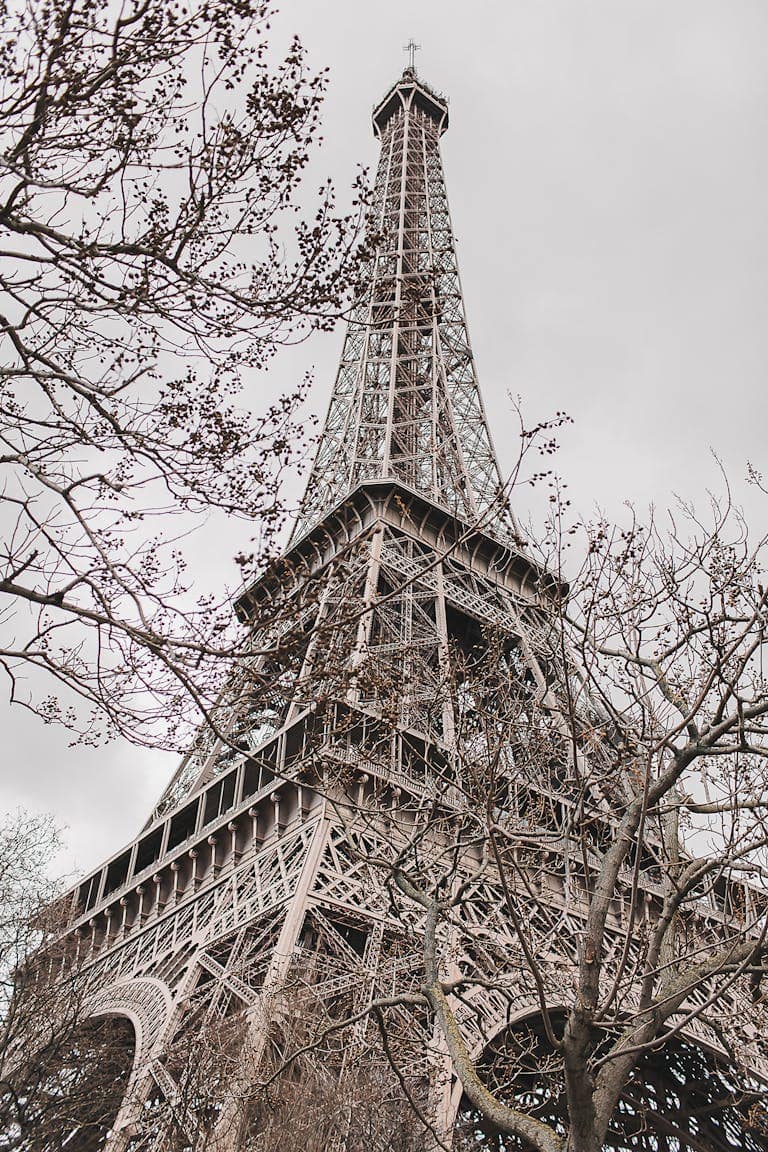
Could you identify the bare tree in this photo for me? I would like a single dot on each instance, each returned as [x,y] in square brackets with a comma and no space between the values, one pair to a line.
[58,1074]
[27,844]
[594,907]
[151,155]
[547,901]
[584,894]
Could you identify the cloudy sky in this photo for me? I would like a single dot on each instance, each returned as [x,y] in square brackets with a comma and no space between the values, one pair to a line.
[607,168]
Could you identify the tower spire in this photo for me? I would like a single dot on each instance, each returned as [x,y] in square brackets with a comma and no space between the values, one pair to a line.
[406,405]
[412,48]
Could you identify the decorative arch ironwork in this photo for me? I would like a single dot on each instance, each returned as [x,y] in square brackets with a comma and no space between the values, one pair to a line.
[681,1097]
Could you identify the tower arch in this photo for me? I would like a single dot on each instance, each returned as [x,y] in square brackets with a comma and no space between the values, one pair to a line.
[146,1001]
[682,1097]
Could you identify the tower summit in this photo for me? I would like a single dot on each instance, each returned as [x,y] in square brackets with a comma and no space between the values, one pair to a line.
[406,404]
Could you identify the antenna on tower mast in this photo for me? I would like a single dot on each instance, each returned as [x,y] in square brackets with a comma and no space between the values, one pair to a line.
[412,48]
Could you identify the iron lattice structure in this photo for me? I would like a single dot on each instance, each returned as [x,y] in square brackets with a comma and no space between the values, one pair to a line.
[406,404]
[259,896]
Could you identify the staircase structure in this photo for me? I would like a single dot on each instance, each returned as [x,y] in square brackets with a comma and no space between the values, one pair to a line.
[270,887]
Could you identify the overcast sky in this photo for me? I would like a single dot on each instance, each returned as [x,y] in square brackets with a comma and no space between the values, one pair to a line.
[607,169]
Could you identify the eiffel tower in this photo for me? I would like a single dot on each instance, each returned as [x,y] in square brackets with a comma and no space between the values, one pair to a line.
[269,887]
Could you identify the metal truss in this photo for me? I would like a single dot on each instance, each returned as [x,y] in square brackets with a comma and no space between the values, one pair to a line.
[406,404]
[276,900]
[390,610]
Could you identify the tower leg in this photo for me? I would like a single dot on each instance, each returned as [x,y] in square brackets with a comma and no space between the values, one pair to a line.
[230,1130]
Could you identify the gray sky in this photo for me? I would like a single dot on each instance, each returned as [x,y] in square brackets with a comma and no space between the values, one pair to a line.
[607,171]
